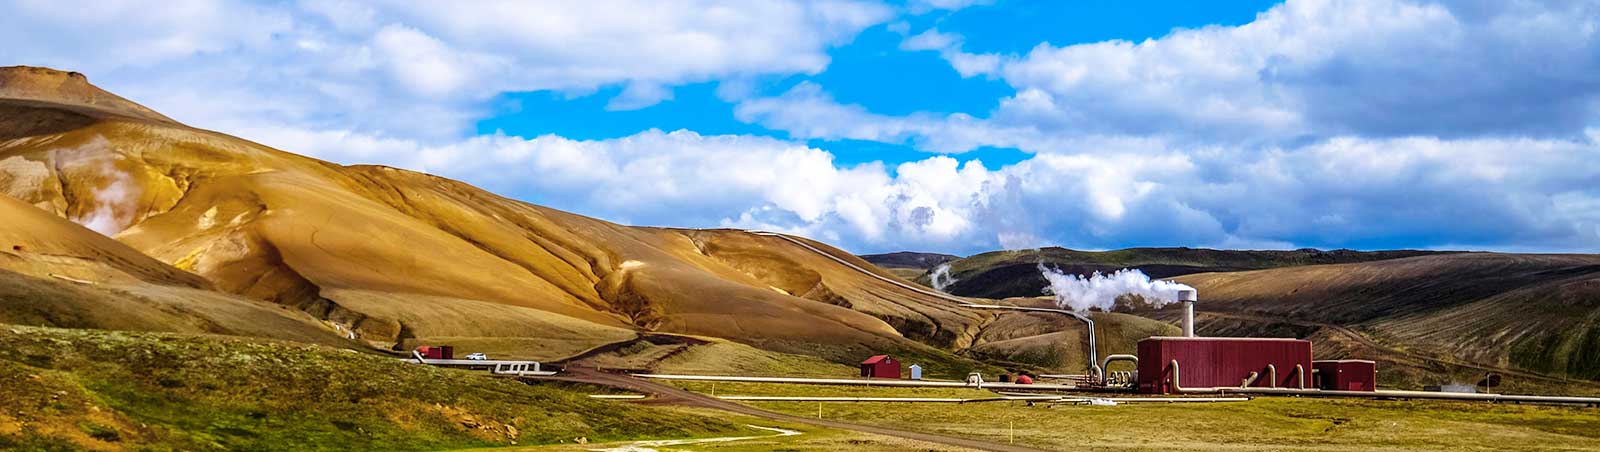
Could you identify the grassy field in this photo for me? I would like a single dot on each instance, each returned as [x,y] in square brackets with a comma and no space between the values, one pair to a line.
[810,439]
[1261,424]
[99,390]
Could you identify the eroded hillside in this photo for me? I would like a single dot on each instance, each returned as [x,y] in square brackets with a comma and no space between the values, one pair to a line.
[400,258]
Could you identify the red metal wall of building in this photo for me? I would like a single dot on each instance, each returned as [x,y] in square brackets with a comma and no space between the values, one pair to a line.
[1347,375]
[1219,361]
[880,367]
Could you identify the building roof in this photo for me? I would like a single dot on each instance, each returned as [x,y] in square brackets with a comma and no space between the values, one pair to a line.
[877,359]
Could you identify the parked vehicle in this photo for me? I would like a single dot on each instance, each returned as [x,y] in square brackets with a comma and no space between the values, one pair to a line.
[478,356]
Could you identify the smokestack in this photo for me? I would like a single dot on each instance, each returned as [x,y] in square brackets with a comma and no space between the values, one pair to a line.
[1188,297]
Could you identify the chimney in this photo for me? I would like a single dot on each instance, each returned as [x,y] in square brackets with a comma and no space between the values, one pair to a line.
[1188,297]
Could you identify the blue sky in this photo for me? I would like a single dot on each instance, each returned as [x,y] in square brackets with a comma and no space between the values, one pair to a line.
[872,71]
[940,125]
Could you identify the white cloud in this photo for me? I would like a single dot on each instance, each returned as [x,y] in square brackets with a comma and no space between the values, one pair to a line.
[420,69]
[923,6]
[1303,71]
[1322,123]
[1482,193]
[949,46]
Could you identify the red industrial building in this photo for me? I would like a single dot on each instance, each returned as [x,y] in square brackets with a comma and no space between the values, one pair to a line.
[1207,362]
[437,352]
[1346,375]
[880,366]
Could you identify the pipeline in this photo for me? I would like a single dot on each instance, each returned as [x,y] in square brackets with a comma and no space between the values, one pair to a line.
[1383,394]
[1250,380]
[1106,365]
[1030,398]
[862,382]
[1095,370]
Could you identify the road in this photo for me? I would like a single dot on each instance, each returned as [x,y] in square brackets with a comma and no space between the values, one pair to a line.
[667,394]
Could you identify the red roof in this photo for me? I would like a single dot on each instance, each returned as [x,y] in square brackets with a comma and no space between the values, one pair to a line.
[876,359]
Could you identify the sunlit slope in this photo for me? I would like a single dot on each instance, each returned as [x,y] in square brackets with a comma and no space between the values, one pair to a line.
[401,257]
[56,273]
[38,243]
[1533,312]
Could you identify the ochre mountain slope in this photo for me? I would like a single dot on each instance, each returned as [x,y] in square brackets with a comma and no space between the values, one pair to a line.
[401,257]
[56,273]
[1538,313]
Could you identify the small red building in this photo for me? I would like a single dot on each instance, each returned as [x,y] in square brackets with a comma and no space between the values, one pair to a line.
[880,366]
[1346,375]
[1205,362]
[437,352]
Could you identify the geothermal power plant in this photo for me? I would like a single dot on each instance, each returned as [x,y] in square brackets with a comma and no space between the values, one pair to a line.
[1187,363]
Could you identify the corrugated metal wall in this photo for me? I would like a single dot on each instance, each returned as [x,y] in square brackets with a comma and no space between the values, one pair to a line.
[1219,361]
[1347,375]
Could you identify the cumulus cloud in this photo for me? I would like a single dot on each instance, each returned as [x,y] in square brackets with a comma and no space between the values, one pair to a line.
[1303,71]
[1480,193]
[419,69]
[1321,123]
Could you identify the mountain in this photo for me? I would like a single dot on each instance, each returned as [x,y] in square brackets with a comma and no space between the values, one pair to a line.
[1015,273]
[1533,317]
[394,258]
[908,264]
[54,272]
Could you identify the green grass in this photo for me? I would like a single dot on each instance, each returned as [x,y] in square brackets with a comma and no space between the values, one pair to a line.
[84,389]
[1273,423]
[811,439]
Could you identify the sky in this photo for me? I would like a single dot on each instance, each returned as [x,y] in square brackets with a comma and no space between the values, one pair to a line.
[956,126]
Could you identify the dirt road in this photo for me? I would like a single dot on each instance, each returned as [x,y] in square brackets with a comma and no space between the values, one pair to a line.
[667,394]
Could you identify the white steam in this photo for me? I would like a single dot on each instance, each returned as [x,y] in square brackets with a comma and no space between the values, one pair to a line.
[940,278]
[1101,290]
[114,202]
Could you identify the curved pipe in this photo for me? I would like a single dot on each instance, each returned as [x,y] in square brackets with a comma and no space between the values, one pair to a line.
[1094,368]
[1105,366]
[1300,375]
[1272,376]
[1250,380]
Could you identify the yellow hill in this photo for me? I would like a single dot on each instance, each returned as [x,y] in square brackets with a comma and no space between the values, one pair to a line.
[402,258]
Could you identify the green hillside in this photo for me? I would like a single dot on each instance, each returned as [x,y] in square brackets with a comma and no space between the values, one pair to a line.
[99,390]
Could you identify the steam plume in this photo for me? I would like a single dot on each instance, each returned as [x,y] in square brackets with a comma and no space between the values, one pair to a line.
[113,202]
[1101,290]
[940,278]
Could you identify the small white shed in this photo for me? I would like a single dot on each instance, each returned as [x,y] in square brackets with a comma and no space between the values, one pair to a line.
[916,372]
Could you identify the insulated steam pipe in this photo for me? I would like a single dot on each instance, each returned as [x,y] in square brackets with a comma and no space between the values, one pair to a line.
[1188,297]
[1300,372]
[1250,380]
[1105,366]
[1272,376]
[1094,369]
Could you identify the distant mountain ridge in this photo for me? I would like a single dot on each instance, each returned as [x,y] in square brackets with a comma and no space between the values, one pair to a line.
[909,259]
[1015,273]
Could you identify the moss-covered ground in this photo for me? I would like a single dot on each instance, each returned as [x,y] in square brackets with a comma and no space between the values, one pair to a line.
[1268,423]
[101,390]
